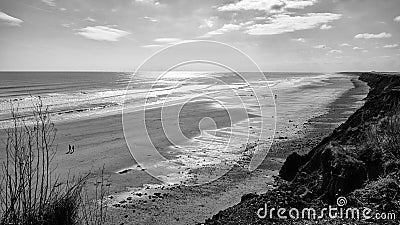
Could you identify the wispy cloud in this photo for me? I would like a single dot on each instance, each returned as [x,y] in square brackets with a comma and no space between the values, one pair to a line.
[102,33]
[208,23]
[68,25]
[9,20]
[344,45]
[154,20]
[90,19]
[373,36]
[397,19]
[357,48]
[49,2]
[320,47]
[152,46]
[267,5]
[391,46]
[279,24]
[148,2]
[299,40]
[224,29]
[326,27]
[334,51]
[164,42]
[167,40]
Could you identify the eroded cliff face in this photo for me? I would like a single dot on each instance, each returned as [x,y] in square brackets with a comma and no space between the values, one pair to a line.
[341,163]
[345,163]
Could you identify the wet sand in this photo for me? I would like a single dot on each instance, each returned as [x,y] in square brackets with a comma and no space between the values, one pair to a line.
[101,142]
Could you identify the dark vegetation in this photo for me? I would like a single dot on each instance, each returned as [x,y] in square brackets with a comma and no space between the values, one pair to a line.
[359,160]
[30,190]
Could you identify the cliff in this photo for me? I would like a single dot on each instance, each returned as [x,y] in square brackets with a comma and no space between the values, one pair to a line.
[360,159]
[338,163]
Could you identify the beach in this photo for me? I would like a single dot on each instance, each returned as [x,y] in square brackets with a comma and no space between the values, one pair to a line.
[135,196]
[195,204]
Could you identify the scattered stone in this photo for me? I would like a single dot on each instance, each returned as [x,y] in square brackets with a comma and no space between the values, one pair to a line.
[247,196]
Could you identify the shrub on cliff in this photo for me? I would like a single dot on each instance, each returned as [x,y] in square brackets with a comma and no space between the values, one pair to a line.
[381,153]
[384,139]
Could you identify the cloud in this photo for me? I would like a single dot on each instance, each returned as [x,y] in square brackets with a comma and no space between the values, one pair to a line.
[334,51]
[63,9]
[345,45]
[152,46]
[357,48]
[167,40]
[148,2]
[224,29]
[90,19]
[154,20]
[391,46]
[164,42]
[397,19]
[208,23]
[320,46]
[279,24]
[373,36]
[267,5]
[49,2]
[326,27]
[9,20]
[102,33]
[68,25]
[299,40]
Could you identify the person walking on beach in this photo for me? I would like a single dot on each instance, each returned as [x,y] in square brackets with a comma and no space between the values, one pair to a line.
[71,149]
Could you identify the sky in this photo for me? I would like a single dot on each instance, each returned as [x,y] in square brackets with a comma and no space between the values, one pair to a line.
[279,35]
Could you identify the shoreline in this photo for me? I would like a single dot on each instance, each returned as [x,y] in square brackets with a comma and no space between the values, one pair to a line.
[190,205]
[101,140]
[322,125]
[304,190]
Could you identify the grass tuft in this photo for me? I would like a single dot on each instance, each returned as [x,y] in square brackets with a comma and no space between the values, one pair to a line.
[30,192]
